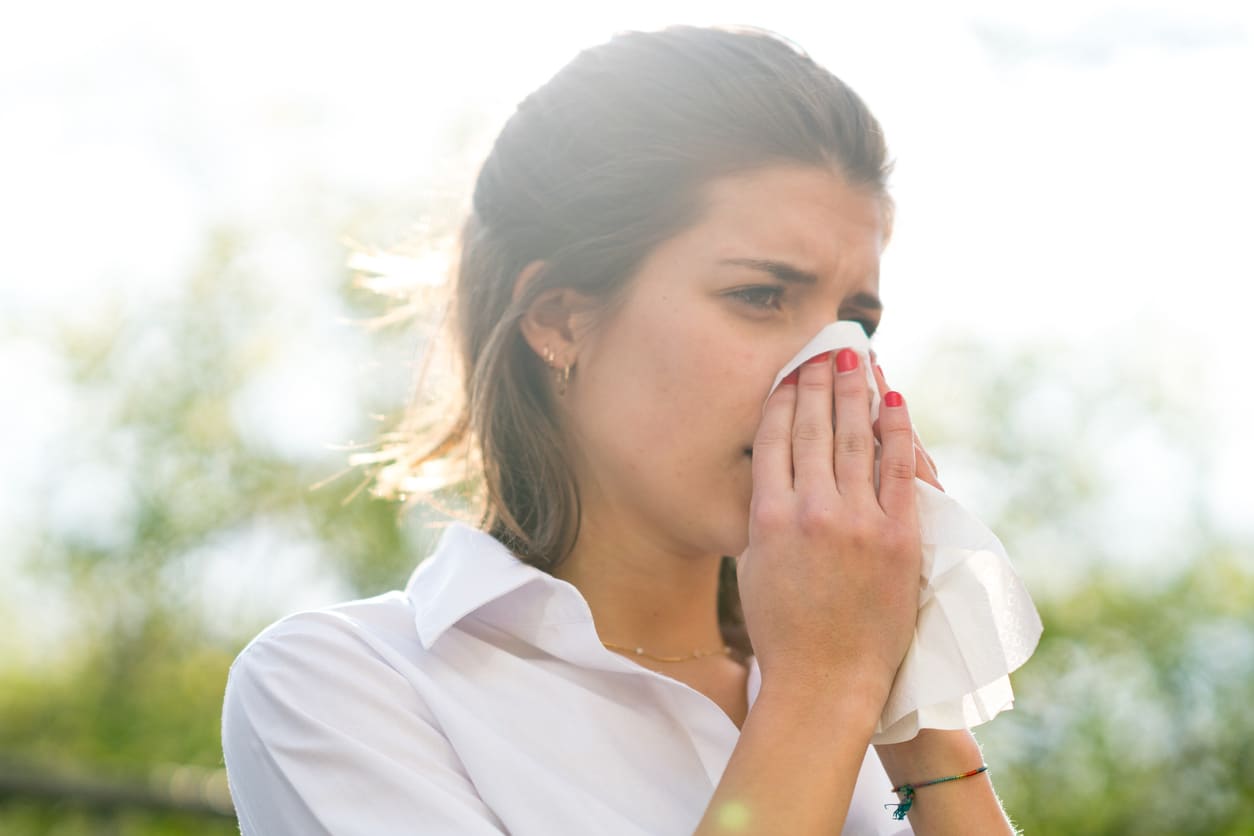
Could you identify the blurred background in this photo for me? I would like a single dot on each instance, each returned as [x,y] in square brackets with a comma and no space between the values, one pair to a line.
[188,358]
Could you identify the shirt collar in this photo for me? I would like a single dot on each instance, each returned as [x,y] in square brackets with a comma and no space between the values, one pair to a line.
[470,569]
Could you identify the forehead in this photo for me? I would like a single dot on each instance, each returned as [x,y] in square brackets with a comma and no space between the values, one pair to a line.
[807,214]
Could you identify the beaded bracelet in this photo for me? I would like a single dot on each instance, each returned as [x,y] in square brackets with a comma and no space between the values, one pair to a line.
[908,790]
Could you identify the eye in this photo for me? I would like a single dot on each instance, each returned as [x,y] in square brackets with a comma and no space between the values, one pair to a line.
[764,296]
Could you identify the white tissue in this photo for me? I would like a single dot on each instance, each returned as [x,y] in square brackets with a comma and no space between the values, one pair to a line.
[976,620]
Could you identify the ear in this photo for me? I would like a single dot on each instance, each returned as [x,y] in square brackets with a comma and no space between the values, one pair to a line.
[553,319]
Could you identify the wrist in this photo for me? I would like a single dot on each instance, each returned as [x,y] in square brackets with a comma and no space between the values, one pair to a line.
[849,707]
[939,799]
[933,753]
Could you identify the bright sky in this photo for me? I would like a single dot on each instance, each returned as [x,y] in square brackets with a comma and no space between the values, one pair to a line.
[1078,170]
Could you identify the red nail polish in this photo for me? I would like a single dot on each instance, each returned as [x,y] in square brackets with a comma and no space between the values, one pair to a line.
[846,360]
[893,399]
[791,377]
[820,358]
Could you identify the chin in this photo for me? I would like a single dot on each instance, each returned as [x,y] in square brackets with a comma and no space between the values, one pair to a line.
[734,534]
[723,521]
[736,549]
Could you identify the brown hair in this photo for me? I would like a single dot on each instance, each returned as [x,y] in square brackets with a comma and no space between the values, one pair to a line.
[592,171]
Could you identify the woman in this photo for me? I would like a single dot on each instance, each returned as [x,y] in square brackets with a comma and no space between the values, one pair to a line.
[655,233]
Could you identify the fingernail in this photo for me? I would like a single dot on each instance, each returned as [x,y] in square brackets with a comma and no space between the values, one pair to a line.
[881,371]
[846,360]
[893,399]
[791,377]
[820,358]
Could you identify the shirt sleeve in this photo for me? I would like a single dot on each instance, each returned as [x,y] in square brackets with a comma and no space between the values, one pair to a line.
[321,735]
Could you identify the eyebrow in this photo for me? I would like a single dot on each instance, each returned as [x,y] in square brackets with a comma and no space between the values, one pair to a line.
[794,275]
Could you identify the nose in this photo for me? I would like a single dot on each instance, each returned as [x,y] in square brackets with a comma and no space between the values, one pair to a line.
[812,325]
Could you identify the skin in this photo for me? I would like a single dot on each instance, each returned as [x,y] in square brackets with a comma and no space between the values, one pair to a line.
[667,399]
[667,395]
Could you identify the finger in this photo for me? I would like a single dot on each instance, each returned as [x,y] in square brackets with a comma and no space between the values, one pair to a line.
[854,441]
[925,467]
[919,446]
[812,427]
[923,448]
[925,470]
[772,445]
[897,460]
[882,383]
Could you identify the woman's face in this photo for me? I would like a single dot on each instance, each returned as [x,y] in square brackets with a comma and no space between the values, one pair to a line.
[668,392]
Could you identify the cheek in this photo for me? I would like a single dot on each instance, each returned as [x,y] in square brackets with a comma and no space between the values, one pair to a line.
[701,389]
[676,396]
[672,409]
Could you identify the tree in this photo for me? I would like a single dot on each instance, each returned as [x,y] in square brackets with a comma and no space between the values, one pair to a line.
[1131,716]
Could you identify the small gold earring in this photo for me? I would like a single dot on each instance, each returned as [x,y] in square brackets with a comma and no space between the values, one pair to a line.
[561,377]
[561,387]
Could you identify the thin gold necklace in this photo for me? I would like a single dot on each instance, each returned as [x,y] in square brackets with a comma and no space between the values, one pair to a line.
[639,651]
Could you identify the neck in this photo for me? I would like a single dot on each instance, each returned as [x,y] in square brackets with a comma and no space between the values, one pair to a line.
[644,593]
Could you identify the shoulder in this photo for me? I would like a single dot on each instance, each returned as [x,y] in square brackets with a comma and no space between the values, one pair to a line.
[382,622]
[318,661]
[326,729]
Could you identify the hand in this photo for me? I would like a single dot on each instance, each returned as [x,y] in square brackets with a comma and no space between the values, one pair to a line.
[829,581]
[924,464]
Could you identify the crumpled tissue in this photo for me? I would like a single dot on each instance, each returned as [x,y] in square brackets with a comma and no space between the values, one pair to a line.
[976,623]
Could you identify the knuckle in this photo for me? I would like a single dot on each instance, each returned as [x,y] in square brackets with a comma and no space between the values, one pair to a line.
[768,438]
[897,431]
[768,514]
[808,431]
[851,383]
[852,443]
[812,382]
[814,516]
[862,532]
[897,468]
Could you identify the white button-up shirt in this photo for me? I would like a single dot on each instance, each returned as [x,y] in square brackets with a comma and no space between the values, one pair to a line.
[478,701]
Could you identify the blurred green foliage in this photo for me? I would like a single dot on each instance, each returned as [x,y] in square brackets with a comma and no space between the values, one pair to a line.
[1132,717]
